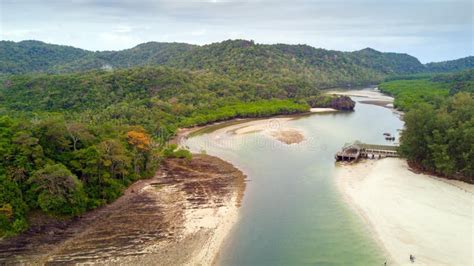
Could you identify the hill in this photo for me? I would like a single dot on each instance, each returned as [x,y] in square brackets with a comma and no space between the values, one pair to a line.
[35,56]
[452,65]
[238,59]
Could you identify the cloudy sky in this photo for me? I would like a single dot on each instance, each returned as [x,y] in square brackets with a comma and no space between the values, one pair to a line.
[432,30]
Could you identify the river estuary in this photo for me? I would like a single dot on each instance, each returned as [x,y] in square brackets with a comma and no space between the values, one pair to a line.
[292,212]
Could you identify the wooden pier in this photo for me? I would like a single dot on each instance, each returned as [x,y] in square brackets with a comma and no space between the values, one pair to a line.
[356,150]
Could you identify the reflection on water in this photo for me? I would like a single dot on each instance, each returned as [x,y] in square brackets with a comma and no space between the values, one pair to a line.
[292,213]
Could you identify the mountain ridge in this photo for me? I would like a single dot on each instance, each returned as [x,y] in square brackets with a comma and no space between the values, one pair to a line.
[238,59]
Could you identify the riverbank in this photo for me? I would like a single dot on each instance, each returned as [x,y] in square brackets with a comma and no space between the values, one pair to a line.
[276,128]
[411,213]
[181,216]
[374,97]
[371,95]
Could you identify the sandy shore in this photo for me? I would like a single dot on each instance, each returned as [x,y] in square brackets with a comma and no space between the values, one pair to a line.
[180,217]
[275,128]
[323,110]
[431,218]
[374,95]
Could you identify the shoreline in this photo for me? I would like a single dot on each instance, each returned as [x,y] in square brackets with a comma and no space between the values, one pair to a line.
[180,216]
[271,127]
[374,97]
[405,214]
[203,238]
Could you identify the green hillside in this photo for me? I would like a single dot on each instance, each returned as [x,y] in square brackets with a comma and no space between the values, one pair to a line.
[238,59]
[452,65]
[35,56]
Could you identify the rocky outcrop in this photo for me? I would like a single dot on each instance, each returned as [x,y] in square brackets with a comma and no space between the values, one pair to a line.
[338,102]
[169,219]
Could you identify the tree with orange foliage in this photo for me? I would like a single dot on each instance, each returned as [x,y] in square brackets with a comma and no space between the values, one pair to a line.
[139,139]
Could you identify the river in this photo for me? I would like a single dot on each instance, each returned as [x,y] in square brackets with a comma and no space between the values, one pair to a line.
[292,213]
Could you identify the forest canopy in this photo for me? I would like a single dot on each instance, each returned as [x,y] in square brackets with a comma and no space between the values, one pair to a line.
[439,123]
[241,60]
[73,142]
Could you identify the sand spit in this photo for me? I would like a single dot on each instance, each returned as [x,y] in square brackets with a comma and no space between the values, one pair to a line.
[288,136]
[276,128]
[410,213]
[179,217]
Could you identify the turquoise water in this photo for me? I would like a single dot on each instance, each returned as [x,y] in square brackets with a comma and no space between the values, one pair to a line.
[292,213]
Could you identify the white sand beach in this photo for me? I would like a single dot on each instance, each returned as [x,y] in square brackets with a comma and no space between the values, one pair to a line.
[410,213]
[323,110]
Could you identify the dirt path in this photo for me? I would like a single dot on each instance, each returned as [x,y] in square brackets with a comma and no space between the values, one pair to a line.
[181,216]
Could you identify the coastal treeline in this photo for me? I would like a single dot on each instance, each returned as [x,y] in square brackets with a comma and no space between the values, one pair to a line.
[66,167]
[262,108]
[439,123]
[434,89]
[160,99]
[440,139]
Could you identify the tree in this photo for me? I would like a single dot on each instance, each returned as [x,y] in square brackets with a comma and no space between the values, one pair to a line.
[12,207]
[58,191]
[78,132]
[53,136]
[417,134]
[139,139]
[114,157]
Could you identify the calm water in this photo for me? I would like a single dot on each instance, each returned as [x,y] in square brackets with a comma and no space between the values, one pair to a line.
[292,213]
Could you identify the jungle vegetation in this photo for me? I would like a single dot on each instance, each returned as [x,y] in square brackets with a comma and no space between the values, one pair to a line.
[72,142]
[439,123]
[237,59]
[77,127]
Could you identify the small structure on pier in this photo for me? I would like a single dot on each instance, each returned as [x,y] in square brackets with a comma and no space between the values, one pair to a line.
[356,150]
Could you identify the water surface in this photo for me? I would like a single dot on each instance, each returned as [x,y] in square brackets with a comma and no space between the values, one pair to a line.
[292,213]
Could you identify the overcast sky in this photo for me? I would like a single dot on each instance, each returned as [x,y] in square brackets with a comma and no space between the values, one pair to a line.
[431,30]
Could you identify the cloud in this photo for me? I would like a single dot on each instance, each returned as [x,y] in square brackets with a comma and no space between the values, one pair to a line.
[126,40]
[15,34]
[123,29]
[200,32]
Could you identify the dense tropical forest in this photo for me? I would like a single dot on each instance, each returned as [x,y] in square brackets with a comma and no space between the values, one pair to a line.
[77,127]
[237,59]
[73,142]
[439,122]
